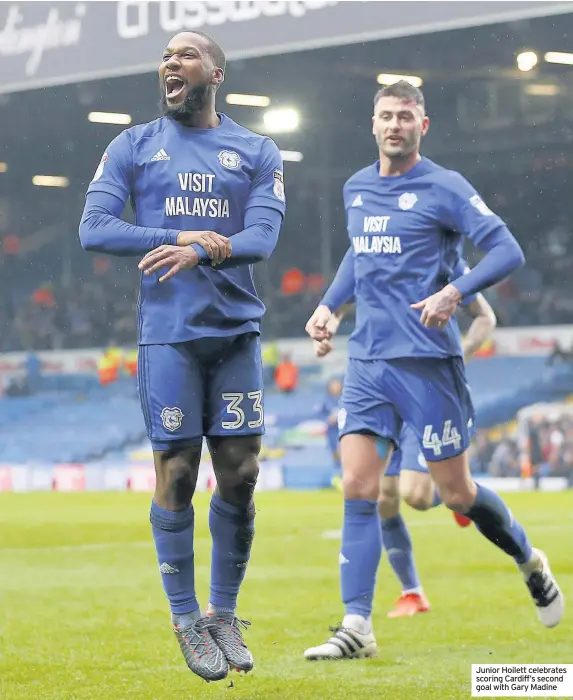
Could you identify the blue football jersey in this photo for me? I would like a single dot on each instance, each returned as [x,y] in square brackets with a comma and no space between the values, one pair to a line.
[406,236]
[191,179]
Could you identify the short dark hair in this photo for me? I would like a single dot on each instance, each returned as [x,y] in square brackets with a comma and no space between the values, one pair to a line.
[215,51]
[402,90]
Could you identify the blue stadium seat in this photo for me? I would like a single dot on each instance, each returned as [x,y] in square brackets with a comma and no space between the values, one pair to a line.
[69,426]
[98,423]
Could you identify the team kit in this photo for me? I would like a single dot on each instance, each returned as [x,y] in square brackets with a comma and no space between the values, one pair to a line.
[208,196]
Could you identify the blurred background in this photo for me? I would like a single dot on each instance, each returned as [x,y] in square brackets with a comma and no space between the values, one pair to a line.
[498,82]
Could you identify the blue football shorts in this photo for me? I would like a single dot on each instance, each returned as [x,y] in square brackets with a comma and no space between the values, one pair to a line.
[204,387]
[430,394]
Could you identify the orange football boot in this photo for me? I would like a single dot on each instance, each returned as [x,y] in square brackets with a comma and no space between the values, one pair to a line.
[409,604]
[462,520]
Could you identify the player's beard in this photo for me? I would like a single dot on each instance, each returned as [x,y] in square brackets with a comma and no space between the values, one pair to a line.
[407,147]
[195,101]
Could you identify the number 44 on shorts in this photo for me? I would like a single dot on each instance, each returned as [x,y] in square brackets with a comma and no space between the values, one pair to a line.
[450,436]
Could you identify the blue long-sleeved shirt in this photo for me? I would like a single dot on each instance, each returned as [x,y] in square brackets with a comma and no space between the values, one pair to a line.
[225,179]
[406,236]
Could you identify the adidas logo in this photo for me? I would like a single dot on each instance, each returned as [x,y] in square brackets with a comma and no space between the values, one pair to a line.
[160,155]
[166,568]
[357,202]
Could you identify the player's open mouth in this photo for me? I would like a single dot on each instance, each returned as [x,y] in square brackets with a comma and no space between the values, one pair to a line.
[174,87]
[394,140]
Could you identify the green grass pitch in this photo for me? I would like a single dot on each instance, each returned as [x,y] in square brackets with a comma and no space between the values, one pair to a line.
[83,615]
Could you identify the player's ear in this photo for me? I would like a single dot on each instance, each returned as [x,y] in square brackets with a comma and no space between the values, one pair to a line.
[425,125]
[217,77]
[374,125]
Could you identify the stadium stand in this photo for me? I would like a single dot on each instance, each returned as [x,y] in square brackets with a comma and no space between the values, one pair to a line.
[76,421]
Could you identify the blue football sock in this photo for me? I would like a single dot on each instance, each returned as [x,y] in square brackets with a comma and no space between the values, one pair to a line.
[173,536]
[437,500]
[359,556]
[186,619]
[495,521]
[398,546]
[232,529]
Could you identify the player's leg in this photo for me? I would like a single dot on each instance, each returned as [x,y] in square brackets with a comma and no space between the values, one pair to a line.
[442,425]
[235,425]
[364,412]
[361,547]
[495,521]
[232,526]
[416,486]
[171,394]
[360,552]
[395,536]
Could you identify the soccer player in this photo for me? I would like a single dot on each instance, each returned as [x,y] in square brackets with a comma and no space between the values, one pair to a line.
[406,217]
[209,201]
[407,474]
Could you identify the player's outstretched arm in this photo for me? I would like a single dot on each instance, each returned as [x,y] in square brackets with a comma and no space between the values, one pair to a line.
[482,327]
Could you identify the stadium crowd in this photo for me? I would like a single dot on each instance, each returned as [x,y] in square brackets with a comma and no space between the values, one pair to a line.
[97,311]
[504,456]
[87,313]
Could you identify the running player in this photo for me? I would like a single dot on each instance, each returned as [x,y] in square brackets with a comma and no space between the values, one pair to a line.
[407,474]
[188,174]
[406,219]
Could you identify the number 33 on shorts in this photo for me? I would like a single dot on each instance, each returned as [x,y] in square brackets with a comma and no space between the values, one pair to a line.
[450,436]
[243,412]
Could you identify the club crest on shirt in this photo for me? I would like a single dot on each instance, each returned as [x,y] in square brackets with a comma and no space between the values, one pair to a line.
[407,200]
[229,159]
[172,418]
[279,186]
[100,167]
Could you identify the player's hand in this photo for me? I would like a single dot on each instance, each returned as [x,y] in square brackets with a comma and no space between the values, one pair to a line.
[217,247]
[322,347]
[316,326]
[439,308]
[171,256]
